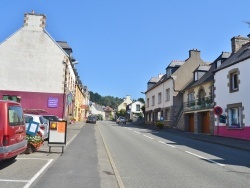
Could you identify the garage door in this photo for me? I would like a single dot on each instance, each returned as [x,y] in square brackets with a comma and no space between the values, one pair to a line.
[205,123]
[191,123]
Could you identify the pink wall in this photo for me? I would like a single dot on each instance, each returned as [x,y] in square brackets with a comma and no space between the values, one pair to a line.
[234,133]
[35,100]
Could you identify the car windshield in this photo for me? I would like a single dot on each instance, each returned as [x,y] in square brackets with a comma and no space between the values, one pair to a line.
[51,118]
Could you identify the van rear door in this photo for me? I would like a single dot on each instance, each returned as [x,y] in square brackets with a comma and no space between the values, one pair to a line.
[16,131]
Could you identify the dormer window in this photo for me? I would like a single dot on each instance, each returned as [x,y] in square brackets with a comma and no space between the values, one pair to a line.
[169,72]
[218,63]
[198,75]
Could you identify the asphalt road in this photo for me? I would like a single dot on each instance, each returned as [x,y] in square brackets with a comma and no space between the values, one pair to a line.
[146,158]
[107,155]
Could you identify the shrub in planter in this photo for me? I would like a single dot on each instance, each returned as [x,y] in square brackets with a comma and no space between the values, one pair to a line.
[159,124]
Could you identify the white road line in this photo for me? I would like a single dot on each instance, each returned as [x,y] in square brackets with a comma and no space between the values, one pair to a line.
[23,181]
[38,173]
[71,140]
[33,158]
[137,132]
[205,158]
[130,129]
[166,144]
[148,137]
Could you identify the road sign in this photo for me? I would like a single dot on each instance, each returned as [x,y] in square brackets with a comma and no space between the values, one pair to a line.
[218,110]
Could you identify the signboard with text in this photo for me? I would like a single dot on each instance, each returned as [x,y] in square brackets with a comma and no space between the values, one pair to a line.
[52,102]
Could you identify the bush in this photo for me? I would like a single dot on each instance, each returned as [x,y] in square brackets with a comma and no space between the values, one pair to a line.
[159,124]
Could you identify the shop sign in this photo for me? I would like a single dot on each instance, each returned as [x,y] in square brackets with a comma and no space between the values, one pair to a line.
[52,102]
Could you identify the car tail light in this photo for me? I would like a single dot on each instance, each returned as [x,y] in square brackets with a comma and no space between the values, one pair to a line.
[6,139]
[42,127]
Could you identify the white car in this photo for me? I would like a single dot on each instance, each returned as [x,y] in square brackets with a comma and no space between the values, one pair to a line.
[43,123]
[121,119]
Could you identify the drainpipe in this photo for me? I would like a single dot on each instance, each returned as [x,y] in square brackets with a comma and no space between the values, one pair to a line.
[64,89]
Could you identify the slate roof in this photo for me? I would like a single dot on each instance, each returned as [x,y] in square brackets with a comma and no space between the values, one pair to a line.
[242,54]
[176,63]
[154,80]
[208,76]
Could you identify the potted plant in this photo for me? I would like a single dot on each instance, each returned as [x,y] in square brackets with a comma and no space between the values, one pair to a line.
[191,103]
[73,120]
[208,101]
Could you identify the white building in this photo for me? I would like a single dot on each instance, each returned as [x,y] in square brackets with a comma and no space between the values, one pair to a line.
[231,88]
[134,110]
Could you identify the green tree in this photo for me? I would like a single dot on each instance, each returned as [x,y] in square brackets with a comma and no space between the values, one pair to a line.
[141,100]
[122,112]
[110,101]
[143,109]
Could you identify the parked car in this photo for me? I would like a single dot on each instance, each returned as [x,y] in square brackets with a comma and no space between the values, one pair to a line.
[43,123]
[91,119]
[52,117]
[12,130]
[121,119]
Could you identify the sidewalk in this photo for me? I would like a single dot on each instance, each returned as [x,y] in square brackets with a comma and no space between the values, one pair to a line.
[230,142]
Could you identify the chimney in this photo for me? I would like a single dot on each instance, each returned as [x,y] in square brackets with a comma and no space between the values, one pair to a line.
[237,42]
[195,53]
[34,22]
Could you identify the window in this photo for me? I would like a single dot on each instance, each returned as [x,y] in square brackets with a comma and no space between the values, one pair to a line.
[167,114]
[138,107]
[191,101]
[218,63]
[153,100]
[233,80]
[168,94]
[159,98]
[15,115]
[235,115]
[147,102]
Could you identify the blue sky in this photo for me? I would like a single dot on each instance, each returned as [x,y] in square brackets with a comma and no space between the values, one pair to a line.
[121,44]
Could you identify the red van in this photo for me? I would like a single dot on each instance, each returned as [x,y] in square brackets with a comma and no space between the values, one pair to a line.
[12,130]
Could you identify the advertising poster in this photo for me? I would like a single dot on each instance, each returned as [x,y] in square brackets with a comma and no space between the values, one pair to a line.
[57,133]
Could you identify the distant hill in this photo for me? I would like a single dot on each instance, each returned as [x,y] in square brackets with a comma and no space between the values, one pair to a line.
[110,101]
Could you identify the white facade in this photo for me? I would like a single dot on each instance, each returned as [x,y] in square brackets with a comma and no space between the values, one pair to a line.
[222,95]
[165,100]
[33,59]
[94,110]
[135,109]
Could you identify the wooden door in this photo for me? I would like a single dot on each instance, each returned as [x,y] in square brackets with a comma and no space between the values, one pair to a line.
[205,123]
[191,123]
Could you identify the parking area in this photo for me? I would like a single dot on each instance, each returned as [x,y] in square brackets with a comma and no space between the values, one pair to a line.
[27,168]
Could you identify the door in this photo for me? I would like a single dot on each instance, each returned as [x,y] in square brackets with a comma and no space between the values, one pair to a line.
[191,123]
[205,123]
[15,132]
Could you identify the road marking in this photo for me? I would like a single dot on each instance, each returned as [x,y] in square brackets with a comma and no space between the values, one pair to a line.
[148,137]
[23,181]
[71,140]
[117,174]
[38,173]
[33,158]
[205,158]
[137,132]
[166,144]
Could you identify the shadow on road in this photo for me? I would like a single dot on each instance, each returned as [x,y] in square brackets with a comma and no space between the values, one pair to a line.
[228,155]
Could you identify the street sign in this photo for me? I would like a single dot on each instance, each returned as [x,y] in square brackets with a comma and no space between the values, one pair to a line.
[218,110]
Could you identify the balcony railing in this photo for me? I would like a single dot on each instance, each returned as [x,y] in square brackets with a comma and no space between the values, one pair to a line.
[198,104]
